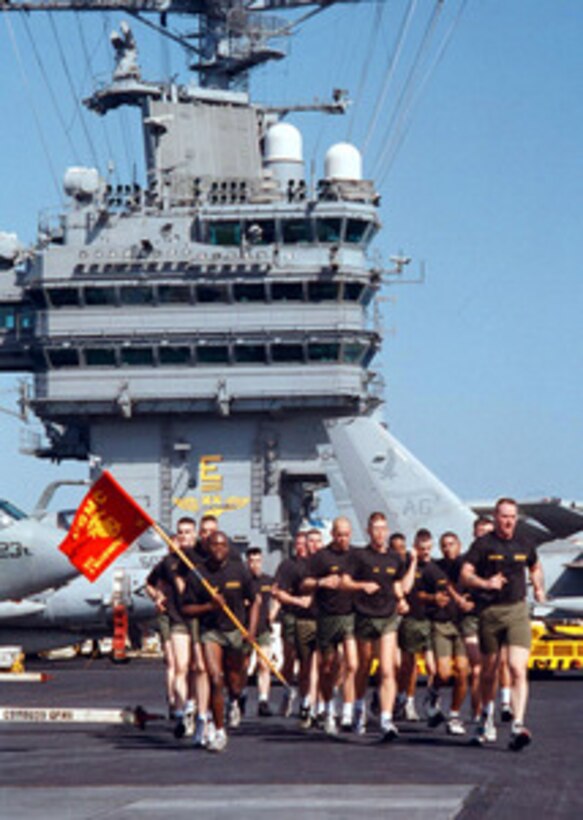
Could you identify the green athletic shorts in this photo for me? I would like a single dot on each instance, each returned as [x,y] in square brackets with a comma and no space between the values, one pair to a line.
[264,639]
[193,626]
[179,628]
[469,625]
[331,630]
[306,642]
[232,640]
[367,628]
[288,627]
[447,640]
[163,625]
[504,625]
[415,635]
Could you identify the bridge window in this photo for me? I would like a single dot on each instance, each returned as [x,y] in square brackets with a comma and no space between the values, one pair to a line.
[356,230]
[352,291]
[249,292]
[323,351]
[296,230]
[137,295]
[212,354]
[174,355]
[63,297]
[322,291]
[95,297]
[100,357]
[210,293]
[250,354]
[137,356]
[352,352]
[7,318]
[177,294]
[287,353]
[329,230]
[260,232]
[66,357]
[287,291]
[224,233]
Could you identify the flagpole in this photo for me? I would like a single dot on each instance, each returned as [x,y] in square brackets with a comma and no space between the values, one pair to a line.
[224,606]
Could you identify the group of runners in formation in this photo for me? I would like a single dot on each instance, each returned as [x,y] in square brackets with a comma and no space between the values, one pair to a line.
[345,613]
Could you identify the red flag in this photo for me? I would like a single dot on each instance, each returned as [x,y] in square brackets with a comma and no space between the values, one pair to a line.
[105,524]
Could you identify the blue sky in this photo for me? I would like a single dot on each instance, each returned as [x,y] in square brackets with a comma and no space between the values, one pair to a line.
[482,362]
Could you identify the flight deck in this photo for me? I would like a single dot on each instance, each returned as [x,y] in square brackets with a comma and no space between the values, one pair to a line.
[271,767]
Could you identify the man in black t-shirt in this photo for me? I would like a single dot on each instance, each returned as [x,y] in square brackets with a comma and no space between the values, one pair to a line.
[164,586]
[290,603]
[415,629]
[263,585]
[223,643]
[495,566]
[335,620]
[379,601]
[446,606]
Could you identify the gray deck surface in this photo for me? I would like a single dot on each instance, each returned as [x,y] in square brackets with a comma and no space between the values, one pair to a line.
[271,767]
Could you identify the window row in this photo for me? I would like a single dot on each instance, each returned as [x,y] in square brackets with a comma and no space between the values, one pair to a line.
[16,318]
[180,294]
[326,230]
[347,352]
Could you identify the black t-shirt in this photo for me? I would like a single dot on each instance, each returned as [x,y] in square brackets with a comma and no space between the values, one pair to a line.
[310,612]
[383,567]
[163,577]
[491,554]
[262,585]
[417,606]
[286,577]
[436,579]
[233,581]
[330,561]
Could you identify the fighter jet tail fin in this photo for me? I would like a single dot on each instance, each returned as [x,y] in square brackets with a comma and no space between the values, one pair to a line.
[380,474]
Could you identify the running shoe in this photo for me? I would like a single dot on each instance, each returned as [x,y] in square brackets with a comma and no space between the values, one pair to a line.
[305,717]
[519,738]
[359,725]
[346,723]
[234,718]
[411,712]
[389,732]
[219,741]
[263,709]
[287,703]
[200,740]
[435,716]
[506,713]
[485,733]
[455,726]
[330,725]
[189,721]
[179,727]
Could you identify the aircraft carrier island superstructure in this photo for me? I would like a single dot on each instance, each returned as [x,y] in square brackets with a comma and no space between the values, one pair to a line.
[199,335]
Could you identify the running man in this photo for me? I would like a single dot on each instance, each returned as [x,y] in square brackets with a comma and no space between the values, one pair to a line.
[496,565]
[379,601]
[263,585]
[335,621]
[223,643]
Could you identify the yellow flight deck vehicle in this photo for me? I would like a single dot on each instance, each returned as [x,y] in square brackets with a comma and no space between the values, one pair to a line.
[556,646]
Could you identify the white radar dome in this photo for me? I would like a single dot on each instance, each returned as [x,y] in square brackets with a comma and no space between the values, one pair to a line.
[81,183]
[343,161]
[283,143]
[10,247]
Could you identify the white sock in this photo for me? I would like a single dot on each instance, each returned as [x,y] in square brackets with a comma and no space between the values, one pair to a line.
[347,711]
[306,702]
[329,707]
[386,718]
[505,695]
